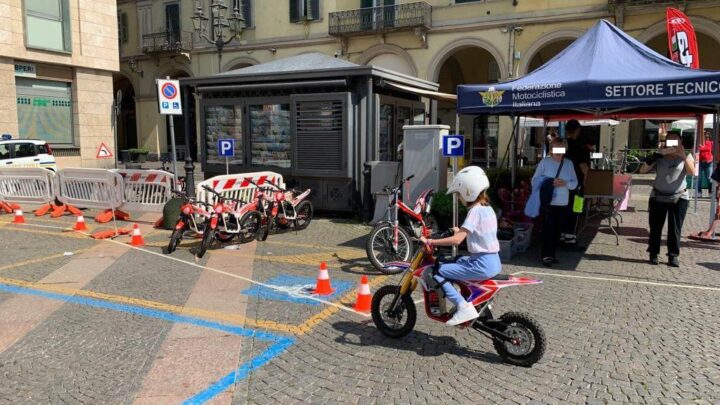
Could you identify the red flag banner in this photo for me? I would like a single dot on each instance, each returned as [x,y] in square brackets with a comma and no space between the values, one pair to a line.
[681,39]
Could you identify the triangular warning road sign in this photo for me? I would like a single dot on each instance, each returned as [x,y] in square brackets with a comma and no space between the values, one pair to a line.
[103,152]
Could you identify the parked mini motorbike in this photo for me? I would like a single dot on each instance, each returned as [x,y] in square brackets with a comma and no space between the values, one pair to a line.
[191,219]
[284,209]
[216,224]
[392,239]
[517,337]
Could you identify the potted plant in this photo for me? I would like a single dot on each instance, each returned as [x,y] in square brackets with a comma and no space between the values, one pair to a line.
[125,155]
[139,155]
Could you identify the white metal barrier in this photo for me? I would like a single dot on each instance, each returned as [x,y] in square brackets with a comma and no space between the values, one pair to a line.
[146,190]
[237,185]
[90,188]
[28,185]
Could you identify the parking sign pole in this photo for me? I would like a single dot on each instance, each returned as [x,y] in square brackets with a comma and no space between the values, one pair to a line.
[454,171]
[227,165]
[172,141]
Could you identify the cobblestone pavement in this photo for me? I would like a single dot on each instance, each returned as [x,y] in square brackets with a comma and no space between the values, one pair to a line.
[85,321]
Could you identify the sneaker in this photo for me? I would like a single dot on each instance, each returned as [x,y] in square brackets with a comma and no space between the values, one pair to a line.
[654,259]
[562,237]
[547,261]
[673,261]
[465,312]
[570,239]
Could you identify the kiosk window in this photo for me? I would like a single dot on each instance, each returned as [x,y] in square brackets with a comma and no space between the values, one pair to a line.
[319,134]
[270,139]
[223,122]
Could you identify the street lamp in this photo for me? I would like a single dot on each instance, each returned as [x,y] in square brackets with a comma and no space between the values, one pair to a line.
[221,30]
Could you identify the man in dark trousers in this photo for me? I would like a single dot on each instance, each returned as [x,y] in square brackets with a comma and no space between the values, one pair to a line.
[580,156]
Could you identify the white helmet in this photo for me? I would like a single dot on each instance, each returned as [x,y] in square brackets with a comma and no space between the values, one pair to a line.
[469,183]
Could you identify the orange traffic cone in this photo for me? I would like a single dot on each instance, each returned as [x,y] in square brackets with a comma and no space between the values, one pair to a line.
[362,304]
[323,286]
[19,218]
[80,224]
[137,239]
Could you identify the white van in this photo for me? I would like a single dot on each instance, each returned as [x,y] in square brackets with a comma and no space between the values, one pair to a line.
[26,153]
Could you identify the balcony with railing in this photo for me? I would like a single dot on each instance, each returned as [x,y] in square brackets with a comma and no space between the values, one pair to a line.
[381,19]
[649,3]
[167,42]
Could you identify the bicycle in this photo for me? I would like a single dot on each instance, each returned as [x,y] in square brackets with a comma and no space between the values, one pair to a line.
[391,240]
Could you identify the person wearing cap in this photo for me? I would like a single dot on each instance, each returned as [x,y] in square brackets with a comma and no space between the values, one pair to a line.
[480,229]
[579,154]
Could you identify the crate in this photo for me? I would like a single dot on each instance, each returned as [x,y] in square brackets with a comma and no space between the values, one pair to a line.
[523,236]
[506,249]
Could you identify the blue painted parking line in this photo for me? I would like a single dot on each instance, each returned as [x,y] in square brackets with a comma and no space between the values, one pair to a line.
[291,288]
[278,346]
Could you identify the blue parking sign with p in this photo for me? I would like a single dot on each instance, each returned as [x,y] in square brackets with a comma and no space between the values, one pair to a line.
[453,145]
[226,147]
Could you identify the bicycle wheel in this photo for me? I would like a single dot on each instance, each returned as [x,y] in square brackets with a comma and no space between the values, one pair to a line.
[633,165]
[380,249]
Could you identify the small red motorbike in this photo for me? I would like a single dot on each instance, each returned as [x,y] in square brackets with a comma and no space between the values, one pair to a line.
[517,337]
[284,209]
[219,227]
[392,240]
[191,219]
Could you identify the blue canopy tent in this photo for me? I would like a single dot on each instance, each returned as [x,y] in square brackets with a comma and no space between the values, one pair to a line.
[605,73]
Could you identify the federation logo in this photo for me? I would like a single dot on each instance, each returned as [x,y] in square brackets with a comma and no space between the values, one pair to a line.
[491,97]
[677,20]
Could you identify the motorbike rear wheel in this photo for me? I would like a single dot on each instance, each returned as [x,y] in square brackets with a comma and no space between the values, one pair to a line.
[528,345]
[379,247]
[396,325]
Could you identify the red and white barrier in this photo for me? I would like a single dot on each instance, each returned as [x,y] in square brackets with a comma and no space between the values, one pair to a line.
[238,185]
[146,190]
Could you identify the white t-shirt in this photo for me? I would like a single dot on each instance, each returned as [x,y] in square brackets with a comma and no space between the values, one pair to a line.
[481,224]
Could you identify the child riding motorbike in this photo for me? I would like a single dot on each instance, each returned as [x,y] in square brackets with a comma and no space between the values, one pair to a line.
[480,229]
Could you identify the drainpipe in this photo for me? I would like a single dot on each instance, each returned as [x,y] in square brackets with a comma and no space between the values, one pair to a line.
[511,30]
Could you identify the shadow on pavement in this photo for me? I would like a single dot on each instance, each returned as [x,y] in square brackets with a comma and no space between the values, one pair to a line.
[592,256]
[356,266]
[710,266]
[418,342]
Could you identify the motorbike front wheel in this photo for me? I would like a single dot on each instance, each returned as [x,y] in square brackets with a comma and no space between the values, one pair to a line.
[207,240]
[250,225]
[380,250]
[399,322]
[528,340]
[175,239]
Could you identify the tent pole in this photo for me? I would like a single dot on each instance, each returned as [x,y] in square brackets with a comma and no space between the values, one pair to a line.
[716,151]
[699,127]
[454,195]
[513,153]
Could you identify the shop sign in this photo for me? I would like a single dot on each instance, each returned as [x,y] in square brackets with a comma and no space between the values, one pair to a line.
[23,69]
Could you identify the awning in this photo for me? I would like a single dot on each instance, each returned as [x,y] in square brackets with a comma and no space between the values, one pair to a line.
[422,92]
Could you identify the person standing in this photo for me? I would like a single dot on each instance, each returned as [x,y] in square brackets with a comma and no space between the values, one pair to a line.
[669,198]
[705,157]
[556,167]
[580,156]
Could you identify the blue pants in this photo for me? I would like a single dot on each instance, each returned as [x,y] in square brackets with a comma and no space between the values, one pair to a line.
[704,176]
[476,267]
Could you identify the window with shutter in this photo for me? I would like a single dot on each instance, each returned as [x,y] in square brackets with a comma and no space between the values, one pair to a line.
[246,11]
[304,10]
[319,136]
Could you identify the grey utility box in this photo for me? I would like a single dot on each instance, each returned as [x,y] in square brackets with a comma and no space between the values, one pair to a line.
[422,156]
[382,174]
